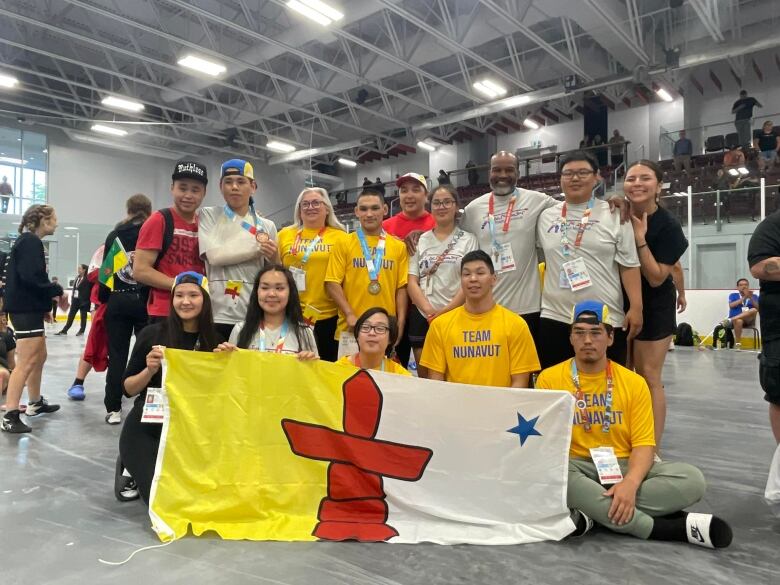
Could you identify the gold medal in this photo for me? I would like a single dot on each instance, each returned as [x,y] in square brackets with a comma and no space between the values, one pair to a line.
[374,287]
[262,237]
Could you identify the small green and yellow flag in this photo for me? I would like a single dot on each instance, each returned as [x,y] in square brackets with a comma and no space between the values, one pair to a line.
[116,258]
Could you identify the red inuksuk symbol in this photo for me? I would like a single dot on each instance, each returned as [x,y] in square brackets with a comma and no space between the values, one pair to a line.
[355,507]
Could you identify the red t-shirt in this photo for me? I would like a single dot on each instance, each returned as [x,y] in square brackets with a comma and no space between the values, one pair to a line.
[400,225]
[182,255]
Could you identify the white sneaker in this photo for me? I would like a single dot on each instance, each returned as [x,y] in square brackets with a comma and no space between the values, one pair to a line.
[737,346]
[114,418]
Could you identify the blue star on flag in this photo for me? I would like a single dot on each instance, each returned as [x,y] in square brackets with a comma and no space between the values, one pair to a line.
[525,428]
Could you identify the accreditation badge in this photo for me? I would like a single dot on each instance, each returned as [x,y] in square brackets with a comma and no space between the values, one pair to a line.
[506,259]
[299,275]
[154,406]
[577,274]
[607,465]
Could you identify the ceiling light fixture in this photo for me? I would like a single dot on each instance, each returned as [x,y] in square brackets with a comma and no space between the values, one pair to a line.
[103,129]
[664,95]
[315,10]
[122,104]
[426,146]
[347,163]
[532,124]
[490,88]
[202,65]
[8,81]
[280,146]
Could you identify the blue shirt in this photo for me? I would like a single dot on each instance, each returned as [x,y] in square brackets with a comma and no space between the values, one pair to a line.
[747,303]
[683,146]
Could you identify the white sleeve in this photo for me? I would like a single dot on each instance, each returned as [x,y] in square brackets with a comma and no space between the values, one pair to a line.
[235,333]
[626,245]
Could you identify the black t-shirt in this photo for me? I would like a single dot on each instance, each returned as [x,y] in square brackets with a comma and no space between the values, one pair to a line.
[746,105]
[766,141]
[667,243]
[765,243]
[147,338]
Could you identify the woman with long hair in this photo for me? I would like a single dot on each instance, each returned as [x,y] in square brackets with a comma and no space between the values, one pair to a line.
[376,331]
[305,248]
[189,326]
[274,321]
[28,296]
[125,312]
[434,270]
[660,243]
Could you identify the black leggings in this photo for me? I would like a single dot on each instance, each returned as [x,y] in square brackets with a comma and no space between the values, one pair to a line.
[125,315]
[327,346]
[77,307]
[138,446]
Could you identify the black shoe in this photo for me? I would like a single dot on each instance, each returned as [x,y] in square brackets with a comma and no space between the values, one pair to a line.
[63,332]
[125,488]
[41,407]
[79,333]
[13,424]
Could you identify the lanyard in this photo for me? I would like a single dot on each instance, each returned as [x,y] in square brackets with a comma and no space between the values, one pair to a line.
[580,398]
[440,258]
[296,247]
[492,218]
[279,342]
[373,265]
[357,362]
[566,246]
[252,229]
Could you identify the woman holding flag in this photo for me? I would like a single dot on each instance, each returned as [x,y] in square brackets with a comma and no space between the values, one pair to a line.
[305,248]
[125,299]
[274,321]
[189,326]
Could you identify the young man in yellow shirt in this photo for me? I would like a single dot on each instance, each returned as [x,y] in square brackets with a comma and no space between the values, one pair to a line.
[613,478]
[369,268]
[480,342]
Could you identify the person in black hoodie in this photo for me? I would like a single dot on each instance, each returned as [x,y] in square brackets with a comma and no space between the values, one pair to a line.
[126,308]
[189,326]
[79,301]
[28,302]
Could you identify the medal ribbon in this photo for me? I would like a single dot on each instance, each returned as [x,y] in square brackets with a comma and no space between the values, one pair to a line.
[492,219]
[373,265]
[296,247]
[440,258]
[580,398]
[252,229]
[279,342]
[565,243]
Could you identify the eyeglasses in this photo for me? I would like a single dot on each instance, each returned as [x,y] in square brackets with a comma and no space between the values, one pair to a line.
[583,333]
[442,203]
[378,329]
[311,204]
[580,173]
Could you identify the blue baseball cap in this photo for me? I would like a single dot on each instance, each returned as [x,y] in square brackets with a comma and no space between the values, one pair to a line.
[593,312]
[237,167]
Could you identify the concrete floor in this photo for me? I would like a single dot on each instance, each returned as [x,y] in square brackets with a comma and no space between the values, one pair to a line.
[58,515]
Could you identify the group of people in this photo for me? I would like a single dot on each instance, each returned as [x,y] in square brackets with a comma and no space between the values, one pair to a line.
[465,293]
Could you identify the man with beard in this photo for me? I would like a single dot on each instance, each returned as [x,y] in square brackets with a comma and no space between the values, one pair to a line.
[504,222]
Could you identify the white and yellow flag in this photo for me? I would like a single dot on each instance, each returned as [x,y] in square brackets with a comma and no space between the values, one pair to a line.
[261,446]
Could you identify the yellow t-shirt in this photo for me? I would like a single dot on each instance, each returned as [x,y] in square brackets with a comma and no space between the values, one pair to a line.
[481,349]
[390,366]
[316,266]
[348,267]
[631,423]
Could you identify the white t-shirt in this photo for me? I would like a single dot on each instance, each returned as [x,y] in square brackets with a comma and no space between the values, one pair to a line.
[606,245]
[442,285]
[223,240]
[518,290]
[272,338]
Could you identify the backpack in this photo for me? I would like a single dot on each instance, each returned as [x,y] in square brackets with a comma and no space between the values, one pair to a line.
[684,335]
[167,234]
[722,337]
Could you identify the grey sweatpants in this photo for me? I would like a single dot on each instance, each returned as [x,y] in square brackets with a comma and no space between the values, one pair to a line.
[668,488]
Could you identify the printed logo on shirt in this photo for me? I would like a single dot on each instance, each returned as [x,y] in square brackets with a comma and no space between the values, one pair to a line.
[477,343]
[597,417]
[517,213]
[183,251]
[321,247]
[571,225]
[428,261]
[361,263]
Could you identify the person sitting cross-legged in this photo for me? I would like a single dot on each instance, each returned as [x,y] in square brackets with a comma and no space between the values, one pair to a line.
[613,478]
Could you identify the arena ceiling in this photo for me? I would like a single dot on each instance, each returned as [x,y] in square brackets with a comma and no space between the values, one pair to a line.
[386,76]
